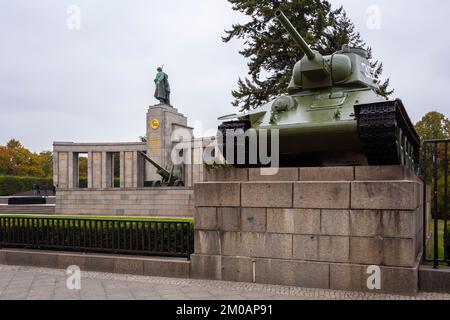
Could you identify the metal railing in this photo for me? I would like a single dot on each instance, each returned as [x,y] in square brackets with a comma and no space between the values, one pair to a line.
[438,178]
[129,237]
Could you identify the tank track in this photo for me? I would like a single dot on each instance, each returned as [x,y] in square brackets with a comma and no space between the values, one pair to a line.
[224,129]
[387,134]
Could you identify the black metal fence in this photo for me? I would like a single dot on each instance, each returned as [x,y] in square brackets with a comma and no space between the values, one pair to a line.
[435,169]
[130,237]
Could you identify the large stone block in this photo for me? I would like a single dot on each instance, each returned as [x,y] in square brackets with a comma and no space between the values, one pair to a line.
[66,260]
[386,195]
[355,277]
[267,195]
[237,269]
[366,223]
[366,251]
[293,273]
[227,174]
[206,267]
[166,268]
[44,259]
[322,195]
[434,280]
[253,220]
[206,218]
[217,194]
[388,173]
[281,174]
[131,266]
[321,248]
[399,252]
[17,257]
[400,280]
[207,242]
[399,224]
[335,222]
[228,219]
[257,245]
[327,174]
[100,263]
[347,277]
[294,221]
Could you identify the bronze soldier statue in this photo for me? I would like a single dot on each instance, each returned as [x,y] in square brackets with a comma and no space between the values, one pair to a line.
[162,92]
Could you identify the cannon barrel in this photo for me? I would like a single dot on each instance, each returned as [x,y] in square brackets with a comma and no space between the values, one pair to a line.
[294,34]
[165,174]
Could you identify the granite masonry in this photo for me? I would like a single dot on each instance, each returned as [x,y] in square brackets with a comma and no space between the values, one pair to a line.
[125,194]
[310,227]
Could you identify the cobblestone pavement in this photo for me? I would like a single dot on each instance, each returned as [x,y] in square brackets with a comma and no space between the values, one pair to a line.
[19,283]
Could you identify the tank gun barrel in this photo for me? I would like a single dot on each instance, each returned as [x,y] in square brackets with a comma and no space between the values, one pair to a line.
[294,34]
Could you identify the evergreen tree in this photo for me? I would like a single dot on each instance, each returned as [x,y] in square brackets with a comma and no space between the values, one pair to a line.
[271,52]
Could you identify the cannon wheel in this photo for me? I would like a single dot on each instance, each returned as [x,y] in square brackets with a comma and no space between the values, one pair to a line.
[178,183]
[156,184]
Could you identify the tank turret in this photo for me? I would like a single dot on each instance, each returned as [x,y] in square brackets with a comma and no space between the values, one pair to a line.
[348,67]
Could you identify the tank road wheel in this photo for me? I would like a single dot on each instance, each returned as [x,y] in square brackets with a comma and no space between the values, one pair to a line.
[401,147]
[387,134]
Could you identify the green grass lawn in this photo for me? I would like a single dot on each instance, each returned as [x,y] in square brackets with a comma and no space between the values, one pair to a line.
[441,224]
[110,218]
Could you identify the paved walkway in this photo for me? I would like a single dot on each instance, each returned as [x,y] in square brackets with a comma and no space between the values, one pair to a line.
[20,283]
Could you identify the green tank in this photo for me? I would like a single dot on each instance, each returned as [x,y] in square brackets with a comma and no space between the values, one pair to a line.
[332,115]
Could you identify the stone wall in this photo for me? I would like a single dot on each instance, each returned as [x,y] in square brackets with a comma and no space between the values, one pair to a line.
[159,202]
[310,227]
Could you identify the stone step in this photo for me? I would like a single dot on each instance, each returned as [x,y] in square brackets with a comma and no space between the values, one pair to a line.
[133,265]
[43,209]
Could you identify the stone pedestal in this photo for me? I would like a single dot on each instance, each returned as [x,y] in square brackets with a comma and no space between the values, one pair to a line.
[162,122]
[310,227]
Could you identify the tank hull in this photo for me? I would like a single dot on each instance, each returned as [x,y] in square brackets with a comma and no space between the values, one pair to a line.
[359,128]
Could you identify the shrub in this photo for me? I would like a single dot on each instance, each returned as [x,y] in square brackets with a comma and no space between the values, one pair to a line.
[10,185]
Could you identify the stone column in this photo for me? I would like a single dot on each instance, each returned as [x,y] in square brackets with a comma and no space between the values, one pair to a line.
[55,169]
[63,170]
[122,170]
[97,170]
[135,169]
[71,171]
[129,170]
[106,170]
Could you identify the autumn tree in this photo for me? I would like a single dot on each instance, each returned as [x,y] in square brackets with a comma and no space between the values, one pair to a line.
[433,126]
[16,160]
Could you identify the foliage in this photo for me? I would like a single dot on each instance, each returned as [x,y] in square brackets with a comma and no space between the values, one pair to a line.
[16,160]
[10,185]
[434,126]
[271,52]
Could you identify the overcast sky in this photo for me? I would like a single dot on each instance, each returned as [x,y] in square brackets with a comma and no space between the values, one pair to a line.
[95,84]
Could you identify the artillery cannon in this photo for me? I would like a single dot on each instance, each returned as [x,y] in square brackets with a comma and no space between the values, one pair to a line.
[168,178]
[333,114]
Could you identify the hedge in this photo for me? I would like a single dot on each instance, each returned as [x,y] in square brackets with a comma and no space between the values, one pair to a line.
[10,185]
